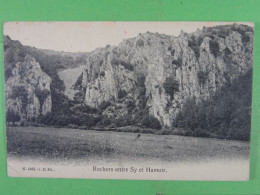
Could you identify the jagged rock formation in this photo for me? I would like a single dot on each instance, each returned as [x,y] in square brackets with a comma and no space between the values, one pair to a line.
[143,78]
[28,90]
[197,64]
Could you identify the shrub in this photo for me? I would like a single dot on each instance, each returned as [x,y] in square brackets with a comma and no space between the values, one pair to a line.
[21,93]
[11,116]
[178,62]
[151,122]
[79,81]
[115,61]
[105,121]
[127,65]
[124,121]
[104,105]
[214,47]
[79,97]
[164,132]
[102,73]
[140,43]
[202,77]
[121,93]
[171,86]
[8,73]
[130,106]
[194,43]
[245,38]
[42,95]
[201,133]
[173,52]
[227,56]
[141,80]
[224,32]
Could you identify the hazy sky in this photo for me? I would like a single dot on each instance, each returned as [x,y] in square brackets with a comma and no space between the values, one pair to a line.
[86,36]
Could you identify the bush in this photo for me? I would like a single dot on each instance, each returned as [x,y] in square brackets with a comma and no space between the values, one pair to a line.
[227,56]
[151,122]
[214,47]
[173,52]
[140,43]
[245,38]
[21,93]
[102,73]
[124,121]
[141,80]
[130,106]
[42,95]
[79,81]
[201,133]
[104,105]
[121,93]
[115,61]
[105,121]
[8,73]
[11,116]
[164,132]
[194,43]
[79,97]
[128,66]
[202,77]
[178,62]
[171,86]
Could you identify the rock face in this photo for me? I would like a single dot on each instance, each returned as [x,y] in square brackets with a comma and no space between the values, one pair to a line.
[28,90]
[149,75]
[172,69]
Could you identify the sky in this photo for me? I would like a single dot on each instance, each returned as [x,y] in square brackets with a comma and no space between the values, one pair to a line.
[87,36]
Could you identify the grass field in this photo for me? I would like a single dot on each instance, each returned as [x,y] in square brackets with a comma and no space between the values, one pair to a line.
[62,144]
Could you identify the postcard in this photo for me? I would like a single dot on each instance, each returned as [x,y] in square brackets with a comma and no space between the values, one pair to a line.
[129,100]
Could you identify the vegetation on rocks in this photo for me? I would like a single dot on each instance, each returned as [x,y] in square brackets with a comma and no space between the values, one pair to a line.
[171,86]
[152,83]
[226,115]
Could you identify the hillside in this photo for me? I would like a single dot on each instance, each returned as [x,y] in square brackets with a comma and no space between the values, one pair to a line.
[147,81]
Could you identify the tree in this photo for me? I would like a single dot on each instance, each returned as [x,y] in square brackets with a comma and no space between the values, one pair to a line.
[21,93]
[227,114]
[42,95]
[121,93]
[151,121]
[171,86]
[140,43]
[11,116]
[202,77]
[214,47]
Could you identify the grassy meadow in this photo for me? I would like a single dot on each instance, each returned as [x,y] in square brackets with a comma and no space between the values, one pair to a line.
[63,144]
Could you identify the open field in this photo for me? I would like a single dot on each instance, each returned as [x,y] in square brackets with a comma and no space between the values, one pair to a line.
[72,153]
[85,145]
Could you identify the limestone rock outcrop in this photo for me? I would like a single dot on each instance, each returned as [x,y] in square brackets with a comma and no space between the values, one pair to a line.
[28,91]
[197,69]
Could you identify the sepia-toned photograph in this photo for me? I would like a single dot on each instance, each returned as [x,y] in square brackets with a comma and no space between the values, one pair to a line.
[129,100]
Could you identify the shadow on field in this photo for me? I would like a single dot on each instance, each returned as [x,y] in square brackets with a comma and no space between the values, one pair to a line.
[47,146]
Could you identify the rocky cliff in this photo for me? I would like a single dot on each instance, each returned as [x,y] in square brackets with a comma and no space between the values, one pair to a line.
[28,90]
[172,70]
[144,80]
